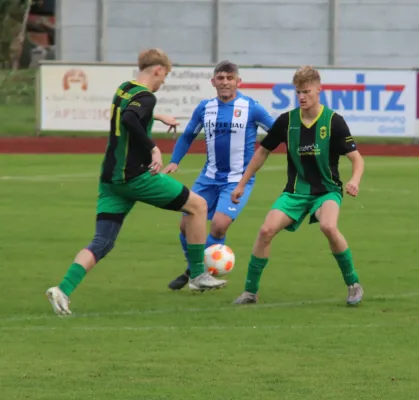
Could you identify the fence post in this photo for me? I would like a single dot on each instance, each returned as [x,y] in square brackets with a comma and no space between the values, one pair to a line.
[58,30]
[216,31]
[333,31]
[100,29]
[38,101]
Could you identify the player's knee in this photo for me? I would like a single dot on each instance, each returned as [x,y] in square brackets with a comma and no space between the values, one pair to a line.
[219,226]
[328,229]
[101,246]
[201,205]
[196,205]
[267,233]
[218,230]
[104,239]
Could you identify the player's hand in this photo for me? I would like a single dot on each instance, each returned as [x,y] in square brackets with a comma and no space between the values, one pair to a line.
[352,188]
[157,162]
[172,167]
[171,121]
[236,194]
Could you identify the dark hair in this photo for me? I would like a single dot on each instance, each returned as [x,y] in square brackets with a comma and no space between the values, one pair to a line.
[226,66]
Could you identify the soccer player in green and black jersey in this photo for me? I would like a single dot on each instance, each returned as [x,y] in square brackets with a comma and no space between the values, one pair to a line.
[315,137]
[130,173]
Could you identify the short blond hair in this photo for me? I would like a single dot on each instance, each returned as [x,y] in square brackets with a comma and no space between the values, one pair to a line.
[152,57]
[306,74]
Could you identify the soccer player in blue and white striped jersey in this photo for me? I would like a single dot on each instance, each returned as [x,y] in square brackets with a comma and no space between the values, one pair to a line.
[230,122]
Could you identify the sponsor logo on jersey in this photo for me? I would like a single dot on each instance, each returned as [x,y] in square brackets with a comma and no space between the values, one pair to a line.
[220,128]
[308,150]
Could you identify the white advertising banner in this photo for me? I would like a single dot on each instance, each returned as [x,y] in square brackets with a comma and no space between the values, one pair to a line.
[373,102]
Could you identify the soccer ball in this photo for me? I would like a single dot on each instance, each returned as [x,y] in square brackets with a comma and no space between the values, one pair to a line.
[219,259]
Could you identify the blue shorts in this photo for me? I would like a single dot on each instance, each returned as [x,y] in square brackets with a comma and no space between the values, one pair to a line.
[218,196]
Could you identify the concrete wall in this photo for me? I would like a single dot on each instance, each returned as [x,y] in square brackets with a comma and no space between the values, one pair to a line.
[76,26]
[378,32]
[276,32]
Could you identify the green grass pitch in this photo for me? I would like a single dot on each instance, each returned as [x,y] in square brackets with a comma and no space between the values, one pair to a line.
[131,338]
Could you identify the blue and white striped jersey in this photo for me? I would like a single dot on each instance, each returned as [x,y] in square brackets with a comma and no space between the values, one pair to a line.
[230,134]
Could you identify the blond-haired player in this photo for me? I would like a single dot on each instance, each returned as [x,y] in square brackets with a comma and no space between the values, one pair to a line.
[131,173]
[315,137]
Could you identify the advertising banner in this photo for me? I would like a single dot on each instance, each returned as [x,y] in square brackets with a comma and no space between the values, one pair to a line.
[373,102]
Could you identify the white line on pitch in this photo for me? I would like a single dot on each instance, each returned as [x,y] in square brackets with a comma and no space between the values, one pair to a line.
[46,177]
[234,308]
[268,168]
[165,328]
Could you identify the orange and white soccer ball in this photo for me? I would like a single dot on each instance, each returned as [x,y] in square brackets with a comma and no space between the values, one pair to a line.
[219,259]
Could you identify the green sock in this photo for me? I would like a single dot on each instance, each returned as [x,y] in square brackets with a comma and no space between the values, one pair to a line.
[72,278]
[196,259]
[254,272]
[346,265]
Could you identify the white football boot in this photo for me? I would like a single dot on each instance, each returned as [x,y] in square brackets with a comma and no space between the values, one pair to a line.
[58,300]
[206,281]
[355,294]
[246,298]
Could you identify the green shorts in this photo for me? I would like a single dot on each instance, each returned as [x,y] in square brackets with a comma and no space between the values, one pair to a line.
[158,190]
[297,206]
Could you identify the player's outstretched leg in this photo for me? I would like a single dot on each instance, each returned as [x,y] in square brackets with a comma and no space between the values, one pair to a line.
[196,232]
[217,235]
[328,215]
[275,221]
[102,243]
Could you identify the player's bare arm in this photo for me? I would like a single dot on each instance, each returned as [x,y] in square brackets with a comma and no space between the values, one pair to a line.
[352,187]
[344,144]
[172,122]
[172,167]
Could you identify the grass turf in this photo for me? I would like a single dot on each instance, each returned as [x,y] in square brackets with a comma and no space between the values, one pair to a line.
[132,338]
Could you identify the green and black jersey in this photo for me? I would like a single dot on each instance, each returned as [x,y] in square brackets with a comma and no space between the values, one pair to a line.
[312,151]
[128,153]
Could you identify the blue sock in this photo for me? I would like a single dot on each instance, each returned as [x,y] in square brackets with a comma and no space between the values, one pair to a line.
[184,244]
[212,240]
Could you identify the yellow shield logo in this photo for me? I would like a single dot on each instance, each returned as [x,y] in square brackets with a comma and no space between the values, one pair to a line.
[323,132]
